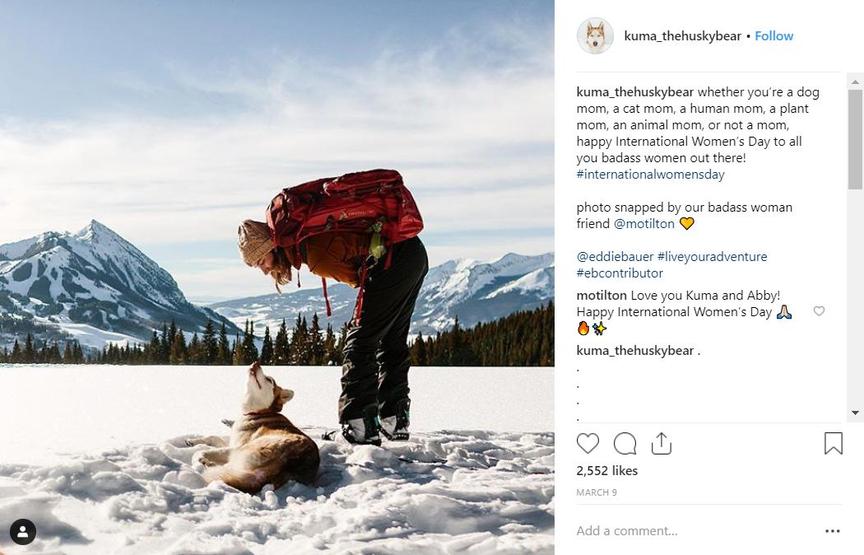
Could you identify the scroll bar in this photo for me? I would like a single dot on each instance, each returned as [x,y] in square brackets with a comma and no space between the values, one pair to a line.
[855,145]
[855,253]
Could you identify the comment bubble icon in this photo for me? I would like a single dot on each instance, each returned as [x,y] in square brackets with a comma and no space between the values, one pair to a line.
[625,443]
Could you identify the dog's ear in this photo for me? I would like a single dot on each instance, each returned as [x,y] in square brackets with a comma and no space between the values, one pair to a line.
[600,27]
[286,395]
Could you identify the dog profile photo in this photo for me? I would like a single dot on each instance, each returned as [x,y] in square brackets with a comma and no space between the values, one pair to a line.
[595,35]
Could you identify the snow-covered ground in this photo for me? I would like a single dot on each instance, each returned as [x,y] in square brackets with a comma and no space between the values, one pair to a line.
[95,456]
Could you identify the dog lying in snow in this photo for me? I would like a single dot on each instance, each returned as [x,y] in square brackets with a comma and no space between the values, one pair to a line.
[265,447]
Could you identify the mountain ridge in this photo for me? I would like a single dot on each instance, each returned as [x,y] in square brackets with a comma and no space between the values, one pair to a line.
[474,291]
[92,285]
[96,287]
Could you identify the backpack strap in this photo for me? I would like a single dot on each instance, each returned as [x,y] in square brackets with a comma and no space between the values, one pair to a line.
[390,243]
[358,304]
[326,297]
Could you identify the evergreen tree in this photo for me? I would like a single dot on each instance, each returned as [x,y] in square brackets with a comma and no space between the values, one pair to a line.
[520,339]
[435,350]
[443,348]
[40,354]
[224,350]
[238,354]
[178,347]
[16,352]
[209,345]
[461,353]
[29,353]
[418,351]
[316,343]
[194,352]
[331,357]
[281,354]
[54,356]
[154,349]
[77,353]
[299,346]
[250,351]
[164,345]
[267,348]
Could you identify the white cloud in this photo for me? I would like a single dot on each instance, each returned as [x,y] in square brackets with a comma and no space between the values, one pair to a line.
[471,133]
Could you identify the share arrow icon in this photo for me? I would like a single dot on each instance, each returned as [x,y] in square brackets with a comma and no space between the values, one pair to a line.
[662,446]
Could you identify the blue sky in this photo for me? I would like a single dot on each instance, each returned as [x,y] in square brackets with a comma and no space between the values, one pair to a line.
[170,121]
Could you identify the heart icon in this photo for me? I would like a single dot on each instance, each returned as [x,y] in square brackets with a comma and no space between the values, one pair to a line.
[819,310]
[587,442]
[686,222]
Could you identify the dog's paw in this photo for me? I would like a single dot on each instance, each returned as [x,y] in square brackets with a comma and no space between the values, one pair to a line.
[196,463]
[200,460]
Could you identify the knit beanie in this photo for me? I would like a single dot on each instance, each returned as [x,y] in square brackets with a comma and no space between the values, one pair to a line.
[254,241]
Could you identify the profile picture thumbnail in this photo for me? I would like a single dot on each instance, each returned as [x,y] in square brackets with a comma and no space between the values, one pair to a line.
[595,35]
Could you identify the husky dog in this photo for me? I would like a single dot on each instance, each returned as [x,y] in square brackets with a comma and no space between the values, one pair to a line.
[265,447]
[595,38]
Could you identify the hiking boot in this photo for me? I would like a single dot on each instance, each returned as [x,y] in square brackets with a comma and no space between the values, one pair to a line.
[395,428]
[363,431]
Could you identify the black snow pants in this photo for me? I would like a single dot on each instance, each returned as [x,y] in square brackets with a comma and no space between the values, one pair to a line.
[376,356]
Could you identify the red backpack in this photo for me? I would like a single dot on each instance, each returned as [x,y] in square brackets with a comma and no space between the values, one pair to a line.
[369,201]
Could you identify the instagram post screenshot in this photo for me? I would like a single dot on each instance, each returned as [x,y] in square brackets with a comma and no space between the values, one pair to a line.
[431,277]
[708,204]
[277,277]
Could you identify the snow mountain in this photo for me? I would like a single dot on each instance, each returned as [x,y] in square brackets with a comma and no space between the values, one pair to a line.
[470,290]
[93,286]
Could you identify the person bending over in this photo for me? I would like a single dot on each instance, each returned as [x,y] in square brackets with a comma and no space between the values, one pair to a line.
[375,392]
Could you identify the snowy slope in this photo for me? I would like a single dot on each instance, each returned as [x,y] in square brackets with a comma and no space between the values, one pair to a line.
[482,291]
[477,477]
[92,285]
[474,291]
